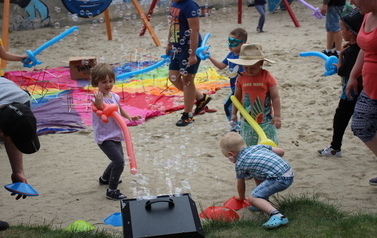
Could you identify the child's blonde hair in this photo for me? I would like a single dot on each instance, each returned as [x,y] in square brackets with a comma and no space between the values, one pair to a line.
[100,72]
[232,141]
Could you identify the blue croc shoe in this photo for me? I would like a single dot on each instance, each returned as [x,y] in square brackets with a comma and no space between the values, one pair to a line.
[275,221]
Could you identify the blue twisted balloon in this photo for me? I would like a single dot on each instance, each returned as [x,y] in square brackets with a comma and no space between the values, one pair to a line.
[330,61]
[32,60]
[203,48]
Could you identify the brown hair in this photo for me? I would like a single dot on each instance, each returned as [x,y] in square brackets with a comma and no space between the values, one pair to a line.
[100,72]
[240,33]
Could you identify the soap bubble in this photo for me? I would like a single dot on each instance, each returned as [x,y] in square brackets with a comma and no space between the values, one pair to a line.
[178,192]
[57,25]
[75,17]
[173,78]
[188,32]
[95,23]
[101,59]
[128,16]
[185,184]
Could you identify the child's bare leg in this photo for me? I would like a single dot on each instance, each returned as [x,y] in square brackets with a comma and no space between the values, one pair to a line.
[175,79]
[262,204]
[189,91]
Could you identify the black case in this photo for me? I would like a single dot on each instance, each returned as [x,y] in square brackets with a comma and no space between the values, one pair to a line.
[164,216]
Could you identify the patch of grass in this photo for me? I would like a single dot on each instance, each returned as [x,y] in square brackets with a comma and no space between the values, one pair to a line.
[46,231]
[309,216]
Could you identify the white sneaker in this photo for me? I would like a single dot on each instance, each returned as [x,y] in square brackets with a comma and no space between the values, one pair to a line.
[329,152]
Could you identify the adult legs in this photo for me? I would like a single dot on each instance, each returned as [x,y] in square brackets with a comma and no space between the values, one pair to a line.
[334,37]
[372,145]
[262,11]
[364,123]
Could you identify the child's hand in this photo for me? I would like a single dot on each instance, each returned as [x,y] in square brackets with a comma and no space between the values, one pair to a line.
[239,198]
[135,118]
[344,47]
[168,49]
[192,59]
[277,122]
[98,95]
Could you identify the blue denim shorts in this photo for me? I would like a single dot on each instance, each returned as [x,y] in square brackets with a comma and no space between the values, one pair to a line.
[271,186]
[179,62]
[364,120]
[333,18]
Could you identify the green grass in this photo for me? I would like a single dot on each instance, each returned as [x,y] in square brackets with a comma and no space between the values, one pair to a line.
[309,216]
[46,231]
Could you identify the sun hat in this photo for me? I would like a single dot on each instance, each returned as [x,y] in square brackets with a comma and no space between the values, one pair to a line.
[250,54]
[353,20]
[19,123]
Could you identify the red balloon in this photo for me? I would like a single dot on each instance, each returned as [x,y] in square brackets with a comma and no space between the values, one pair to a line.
[111,110]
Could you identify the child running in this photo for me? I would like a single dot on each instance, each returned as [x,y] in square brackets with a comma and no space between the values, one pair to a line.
[272,174]
[257,90]
[108,135]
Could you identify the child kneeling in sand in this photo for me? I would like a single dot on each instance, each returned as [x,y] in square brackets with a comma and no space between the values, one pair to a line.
[271,173]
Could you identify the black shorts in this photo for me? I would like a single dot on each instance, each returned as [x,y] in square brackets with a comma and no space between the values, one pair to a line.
[179,62]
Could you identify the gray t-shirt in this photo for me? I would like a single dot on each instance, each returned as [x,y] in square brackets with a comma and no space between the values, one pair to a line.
[11,92]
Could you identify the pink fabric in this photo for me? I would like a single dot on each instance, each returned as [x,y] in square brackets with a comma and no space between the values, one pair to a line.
[368,43]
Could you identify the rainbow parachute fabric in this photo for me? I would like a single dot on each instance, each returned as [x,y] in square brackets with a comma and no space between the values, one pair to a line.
[61,104]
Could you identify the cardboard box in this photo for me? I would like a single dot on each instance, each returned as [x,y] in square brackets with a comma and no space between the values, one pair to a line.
[79,67]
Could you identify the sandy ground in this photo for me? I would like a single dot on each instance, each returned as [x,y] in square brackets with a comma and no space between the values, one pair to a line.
[173,159]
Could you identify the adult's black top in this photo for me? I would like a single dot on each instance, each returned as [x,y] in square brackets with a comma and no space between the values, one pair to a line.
[336,2]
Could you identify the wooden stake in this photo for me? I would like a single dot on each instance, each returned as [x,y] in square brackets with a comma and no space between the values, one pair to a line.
[4,34]
[108,25]
[146,22]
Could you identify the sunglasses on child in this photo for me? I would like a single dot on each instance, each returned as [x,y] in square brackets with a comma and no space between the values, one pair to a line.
[233,42]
